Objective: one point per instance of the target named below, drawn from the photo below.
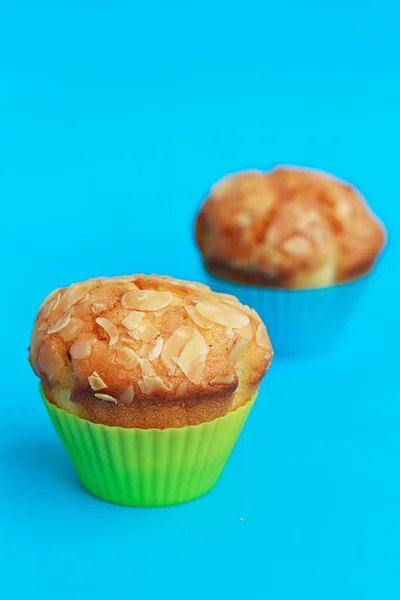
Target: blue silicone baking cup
(300, 323)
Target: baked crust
(289, 227)
(148, 351)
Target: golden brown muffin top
(287, 227)
(145, 340)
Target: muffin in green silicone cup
(148, 381)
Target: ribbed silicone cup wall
(148, 467)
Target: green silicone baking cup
(148, 467)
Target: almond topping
(227, 378)
(122, 278)
(262, 338)
(193, 358)
(268, 356)
(174, 346)
(134, 333)
(71, 330)
(146, 300)
(106, 397)
(109, 328)
(149, 384)
(297, 245)
(230, 299)
(243, 220)
(60, 323)
(239, 346)
(96, 382)
(80, 350)
(246, 332)
(156, 349)
(144, 350)
(127, 358)
(98, 308)
(133, 320)
(147, 368)
(128, 395)
(181, 389)
(51, 306)
(49, 361)
(149, 333)
(74, 293)
(343, 209)
(50, 297)
(198, 318)
(230, 316)
(195, 285)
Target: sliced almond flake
(52, 305)
(60, 323)
(297, 245)
(262, 338)
(228, 331)
(151, 300)
(128, 395)
(147, 368)
(243, 220)
(230, 299)
(158, 314)
(96, 382)
(198, 318)
(174, 346)
(181, 389)
(268, 356)
(227, 378)
(150, 384)
(194, 285)
(223, 314)
(149, 333)
(133, 320)
(49, 361)
(246, 332)
(134, 334)
(144, 350)
(123, 278)
(193, 358)
(106, 397)
(81, 350)
(98, 308)
(309, 217)
(343, 209)
(49, 298)
(126, 340)
(238, 348)
(74, 293)
(233, 301)
(156, 349)
(84, 299)
(110, 329)
(71, 330)
(127, 358)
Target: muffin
(148, 381)
(283, 241)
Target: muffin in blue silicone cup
(297, 245)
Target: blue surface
(115, 117)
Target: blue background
(115, 118)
